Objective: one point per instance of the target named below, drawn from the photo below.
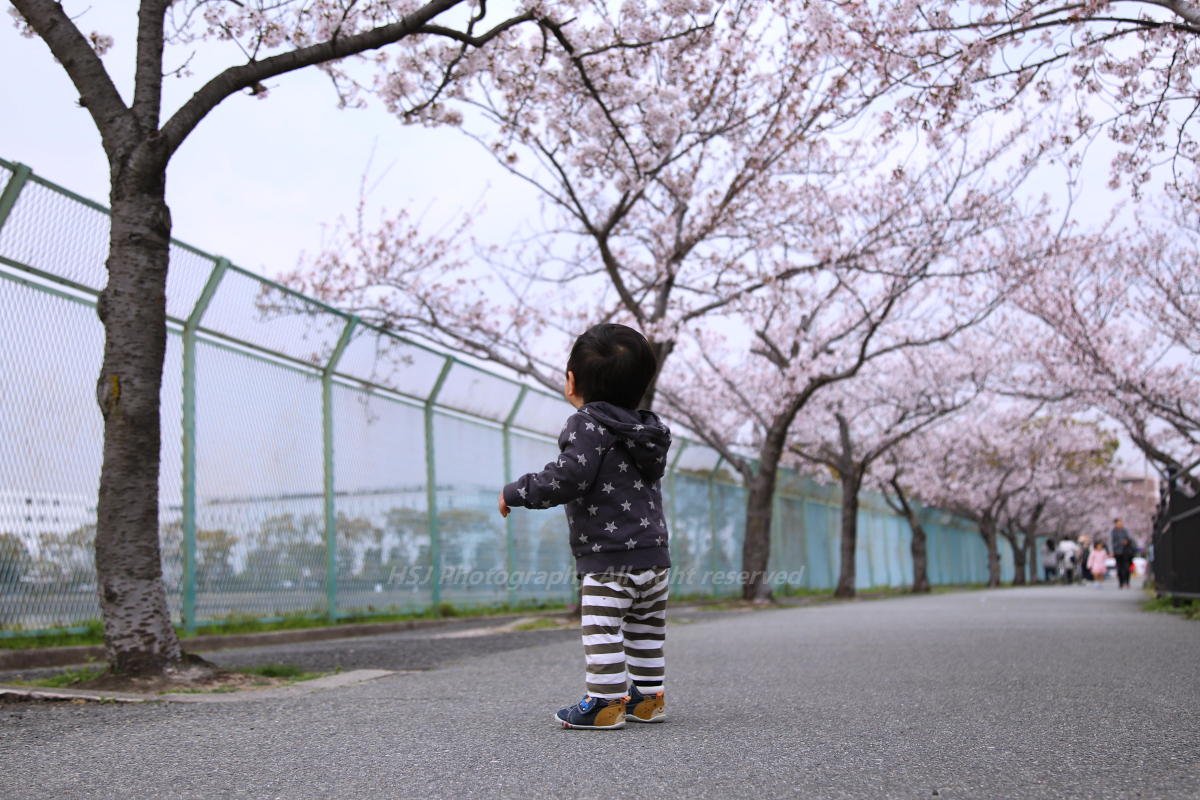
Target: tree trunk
(920, 556)
(987, 529)
(1019, 562)
(139, 638)
(851, 482)
(1031, 558)
(920, 550)
(756, 547)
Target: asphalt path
(1042, 692)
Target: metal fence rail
(314, 463)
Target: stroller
(1068, 555)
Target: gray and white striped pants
(624, 617)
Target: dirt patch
(176, 682)
(24, 700)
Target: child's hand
(504, 509)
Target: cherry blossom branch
(97, 92)
(248, 75)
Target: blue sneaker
(593, 713)
(645, 707)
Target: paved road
(1046, 692)
(426, 648)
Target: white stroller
(1068, 556)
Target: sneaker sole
(660, 718)
(558, 721)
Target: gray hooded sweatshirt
(608, 475)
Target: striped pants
(624, 615)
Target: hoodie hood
(646, 437)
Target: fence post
(330, 488)
(833, 544)
(804, 531)
(435, 592)
(671, 547)
(776, 526)
(509, 524)
(189, 442)
(712, 520)
(8, 198)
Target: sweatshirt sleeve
(568, 477)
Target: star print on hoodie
(608, 475)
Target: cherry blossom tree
(1122, 69)
(1090, 510)
(718, 176)
(1024, 520)
(1112, 327)
(967, 474)
(912, 262)
(856, 423)
(996, 463)
(673, 179)
(1168, 263)
(890, 476)
(1118, 303)
(432, 46)
(1071, 482)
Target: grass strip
(238, 623)
(1188, 608)
(62, 680)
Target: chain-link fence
(313, 463)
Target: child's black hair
(612, 363)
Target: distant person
(611, 459)
(1098, 564)
(1085, 559)
(1068, 555)
(1123, 549)
(1050, 561)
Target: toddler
(607, 475)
